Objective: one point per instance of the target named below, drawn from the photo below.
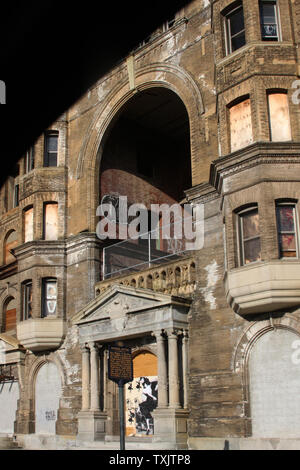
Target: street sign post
(120, 370)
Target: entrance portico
(134, 316)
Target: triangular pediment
(118, 301)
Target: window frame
(227, 28)
(277, 19)
(283, 203)
(27, 300)
(16, 195)
(240, 238)
(29, 160)
(47, 152)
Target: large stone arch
(242, 357)
(169, 76)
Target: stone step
(8, 443)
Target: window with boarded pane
(249, 236)
(234, 29)
(27, 300)
(51, 148)
(269, 21)
(241, 133)
(28, 224)
(50, 221)
(287, 230)
(10, 315)
(279, 118)
(49, 297)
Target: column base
(170, 425)
(91, 425)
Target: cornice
(253, 155)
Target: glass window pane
(286, 218)
(238, 41)
(52, 159)
(236, 22)
(252, 251)
(52, 143)
(287, 242)
(250, 224)
(268, 13)
(51, 290)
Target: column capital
(158, 334)
(185, 334)
(172, 332)
(93, 346)
(84, 348)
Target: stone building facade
(204, 112)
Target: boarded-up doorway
(9, 395)
(274, 373)
(141, 396)
(47, 395)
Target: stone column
(95, 389)
(173, 370)
(162, 370)
(105, 358)
(85, 378)
(185, 367)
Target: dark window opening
(29, 160)
(27, 300)
(50, 149)
(235, 29)
(16, 195)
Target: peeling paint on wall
(212, 278)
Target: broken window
(269, 21)
(234, 29)
(279, 119)
(50, 221)
(49, 297)
(50, 148)
(28, 225)
(240, 125)
(287, 230)
(27, 300)
(249, 236)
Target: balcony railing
(170, 242)
(176, 278)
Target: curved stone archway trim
(169, 76)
